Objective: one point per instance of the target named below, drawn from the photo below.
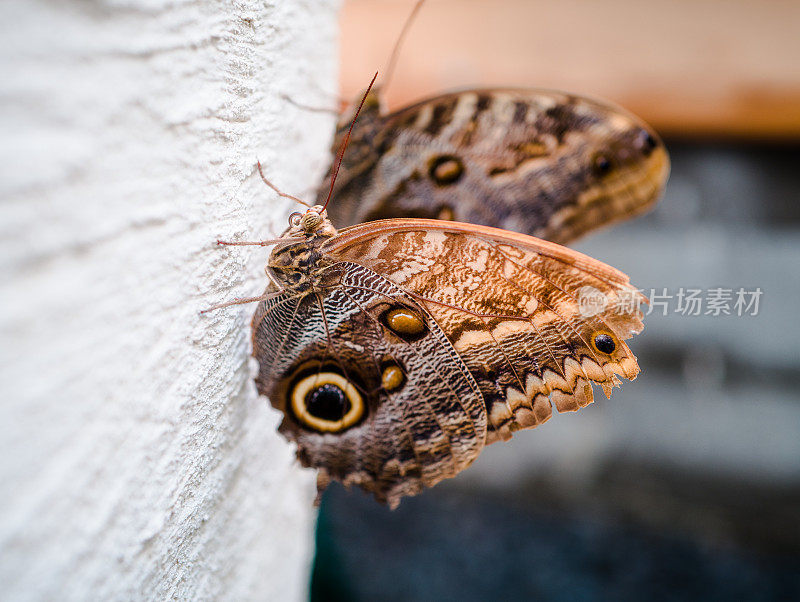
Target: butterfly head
(312, 223)
(299, 262)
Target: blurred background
(686, 484)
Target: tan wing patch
(522, 332)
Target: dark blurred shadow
(458, 545)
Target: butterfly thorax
(299, 264)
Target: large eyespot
(604, 343)
(601, 165)
(327, 402)
(445, 169)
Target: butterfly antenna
(398, 44)
(313, 109)
(275, 188)
(347, 140)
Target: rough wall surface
(136, 460)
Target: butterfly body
(550, 164)
(398, 349)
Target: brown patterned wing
(544, 163)
(513, 307)
(371, 389)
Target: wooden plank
(689, 67)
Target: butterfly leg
(242, 301)
(255, 243)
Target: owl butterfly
(546, 163)
(398, 349)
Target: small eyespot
(392, 377)
(404, 322)
(326, 402)
(445, 169)
(604, 343)
(294, 219)
(646, 142)
(601, 165)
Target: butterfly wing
(370, 386)
(535, 161)
(513, 307)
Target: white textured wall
(136, 461)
